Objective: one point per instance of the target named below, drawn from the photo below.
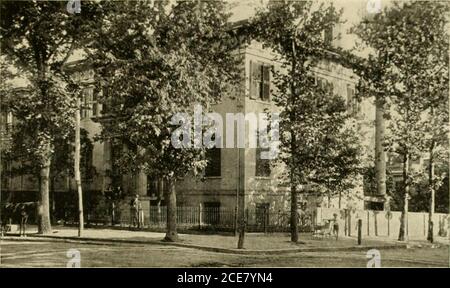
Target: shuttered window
(353, 105)
(213, 168)
(262, 166)
(259, 81)
(326, 85)
(328, 35)
(350, 96)
(89, 104)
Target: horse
(16, 213)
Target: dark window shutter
(320, 82)
(84, 104)
(256, 80)
(252, 81)
(105, 98)
(266, 83)
(94, 103)
(330, 87)
(328, 35)
(350, 100)
(213, 167)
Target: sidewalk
(413, 240)
(255, 243)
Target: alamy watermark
(374, 257)
(207, 130)
(74, 256)
(73, 6)
(374, 6)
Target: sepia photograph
(235, 134)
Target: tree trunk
(44, 225)
(380, 157)
(432, 194)
(403, 219)
(171, 200)
(294, 207)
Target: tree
(404, 136)
(312, 119)
(425, 61)
(158, 60)
(411, 42)
(341, 162)
(39, 37)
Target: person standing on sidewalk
(335, 226)
(140, 215)
(23, 221)
(134, 211)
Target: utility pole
(77, 169)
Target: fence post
(375, 222)
(200, 216)
(368, 223)
(359, 231)
(389, 224)
(246, 216)
(350, 223)
(265, 219)
(345, 222)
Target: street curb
(99, 241)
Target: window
(156, 187)
(89, 103)
(262, 214)
(353, 106)
(6, 175)
(213, 168)
(116, 155)
(6, 122)
(87, 157)
(105, 100)
(328, 35)
(259, 81)
(152, 186)
(350, 97)
(326, 85)
(94, 105)
(262, 166)
(211, 213)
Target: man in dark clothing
(134, 211)
(335, 226)
(23, 220)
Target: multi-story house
(235, 177)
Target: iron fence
(207, 218)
